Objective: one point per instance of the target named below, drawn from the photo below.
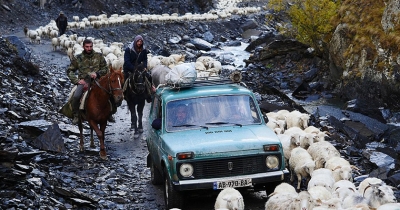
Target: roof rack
(234, 78)
(208, 81)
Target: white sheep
(272, 123)
(301, 164)
(312, 129)
(214, 67)
(179, 58)
(354, 199)
(272, 115)
(330, 204)
(289, 142)
(376, 192)
(322, 177)
(321, 152)
(289, 201)
(320, 193)
(281, 114)
(342, 170)
(297, 119)
(53, 33)
(302, 202)
(32, 35)
(280, 201)
(306, 139)
(389, 206)
(278, 131)
(283, 188)
(229, 198)
(75, 18)
(158, 74)
(153, 61)
(343, 189)
(319, 135)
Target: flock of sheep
(113, 52)
(329, 177)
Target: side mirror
(156, 124)
(265, 118)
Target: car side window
(156, 114)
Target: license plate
(232, 183)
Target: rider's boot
(76, 119)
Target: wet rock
(202, 44)
(249, 33)
(50, 140)
(367, 108)
(395, 179)
(249, 24)
(208, 36)
(23, 51)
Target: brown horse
(98, 106)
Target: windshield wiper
(223, 123)
(217, 123)
(190, 125)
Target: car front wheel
(172, 198)
(156, 176)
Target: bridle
(109, 92)
(136, 84)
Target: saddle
(67, 108)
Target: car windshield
(213, 111)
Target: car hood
(234, 140)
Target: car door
(153, 139)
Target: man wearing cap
(62, 22)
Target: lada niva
(211, 135)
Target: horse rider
(90, 65)
(135, 54)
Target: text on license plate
(232, 183)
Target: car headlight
(186, 170)
(272, 162)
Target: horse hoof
(104, 157)
(140, 130)
(136, 134)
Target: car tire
(172, 198)
(156, 176)
(270, 187)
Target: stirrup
(75, 120)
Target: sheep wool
(229, 198)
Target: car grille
(229, 167)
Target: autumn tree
(311, 20)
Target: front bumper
(257, 179)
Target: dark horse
(98, 106)
(136, 93)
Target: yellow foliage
(312, 20)
(277, 5)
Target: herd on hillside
(329, 176)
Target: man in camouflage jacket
(89, 65)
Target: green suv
(211, 135)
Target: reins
(109, 86)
